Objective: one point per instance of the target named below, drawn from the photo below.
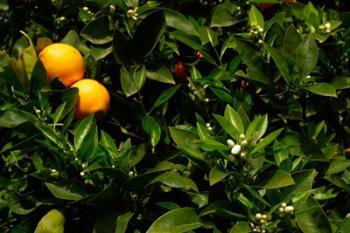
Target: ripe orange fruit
(64, 62)
(93, 98)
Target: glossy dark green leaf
(148, 33)
(233, 117)
(292, 39)
(223, 15)
(184, 139)
(344, 226)
(257, 128)
(241, 227)
(177, 20)
(69, 96)
(175, 180)
(312, 219)
(323, 89)
(58, 113)
(12, 118)
(176, 221)
(50, 134)
(341, 82)
(39, 77)
(266, 141)
(121, 49)
(226, 125)
(216, 175)
(132, 81)
(303, 182)
(122, 222)
(72, 38)
(160, 74)
(307, 56)
(165, 96)
(66, 190)
(255, 17)
(82, 130)
(278, 180)
(280, 61)
(97, 31)
(222, 95)
(51, 222)
(152, 128)
(337, 165)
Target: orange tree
(224, 116)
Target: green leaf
(165, 96)
(210, 144)
(39, 78)
(312, 219)
(257, 128)
(58, 113)
(184, 139)
(121, 49)
(222, 95)
(175, 180)
(307, 56)
(337, 165)
(323, 89)
(233, 117)
(277, 180)
(303, 182)
(49, 133)
(223, 15)
(338, 181)
(108, 142)
(152, 128)
(266, 141)
(132, 81)
(97, 31)
(69, 96)
(311, 15)
(160, 74)
(176, 221)
(341, 82)
(72, 38)
(122, 222)
(82, 130)
(292, 39)
(148, 33)
(12, 118)
(227, 126)
(255, 17)
(344, 227)
(177, 20)
(280, 61)
(245, 201)
(216, 175)
(51, 222)
(241, 227)
(65, 190)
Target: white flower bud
(281, 209)
(244, 142)
(206, 100)
(82, 173)
(327, 26)
(236, 149)
(283, 204)
(242, 136)
(85, 8)
(264, 216)
(289, 209)
(262, 221)
(258, 216)
(230, 142)
(243, 154)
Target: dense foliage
(226, 116)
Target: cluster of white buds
(132, 13)
(262, 222)
(325, 27)
(255, 29)
(238, 148)
(209, 127)
(54, 173)
(288, 209)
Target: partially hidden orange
(93, 98)
(64, 62)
